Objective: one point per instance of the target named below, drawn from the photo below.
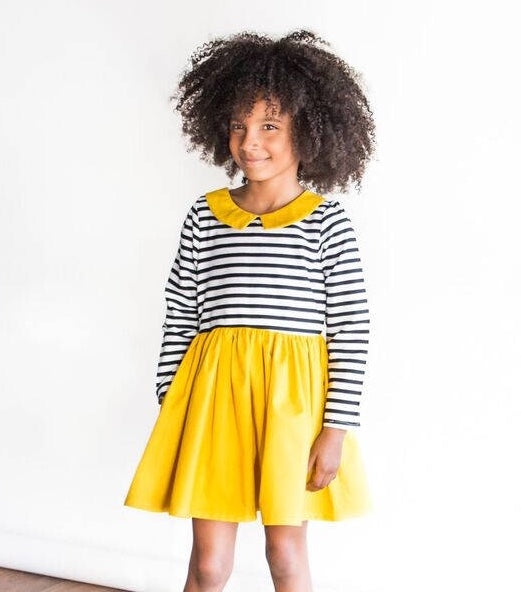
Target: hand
(324, 458)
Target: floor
(12, 580)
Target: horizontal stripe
(304, 279)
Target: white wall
(94, 182)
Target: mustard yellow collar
(227, 211)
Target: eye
(271, 125)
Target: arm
(181, 323)
(347, 319)
(347, 337)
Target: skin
(272, 183)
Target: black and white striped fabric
(304, 278)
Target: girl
(259, 410)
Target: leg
(287, 555)
(211, 560)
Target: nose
(249, 140)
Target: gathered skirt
(234, 433)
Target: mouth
(253, 161)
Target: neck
(268, 195)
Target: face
(260, 144)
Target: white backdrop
(95, 180)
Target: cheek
(232, 145)
(286, 150)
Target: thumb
(311, 461)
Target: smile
(254, 162)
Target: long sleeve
(181, 323)
(347, 318)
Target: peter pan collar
(227, 211)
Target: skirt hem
(253, 518)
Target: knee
(211, 571)
(284, 558)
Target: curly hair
(332, 126)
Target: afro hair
(332, 122)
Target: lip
(253, 161)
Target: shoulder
(198, 203)
(193, 209)
(333, 205)
(333, 213)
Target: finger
(311, 461)
(314, 486)
(312, 483)
(319, 481)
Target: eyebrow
(265, 119)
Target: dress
(264, 343)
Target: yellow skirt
(235, 429)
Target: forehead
(261, 110)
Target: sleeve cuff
(341, 425)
